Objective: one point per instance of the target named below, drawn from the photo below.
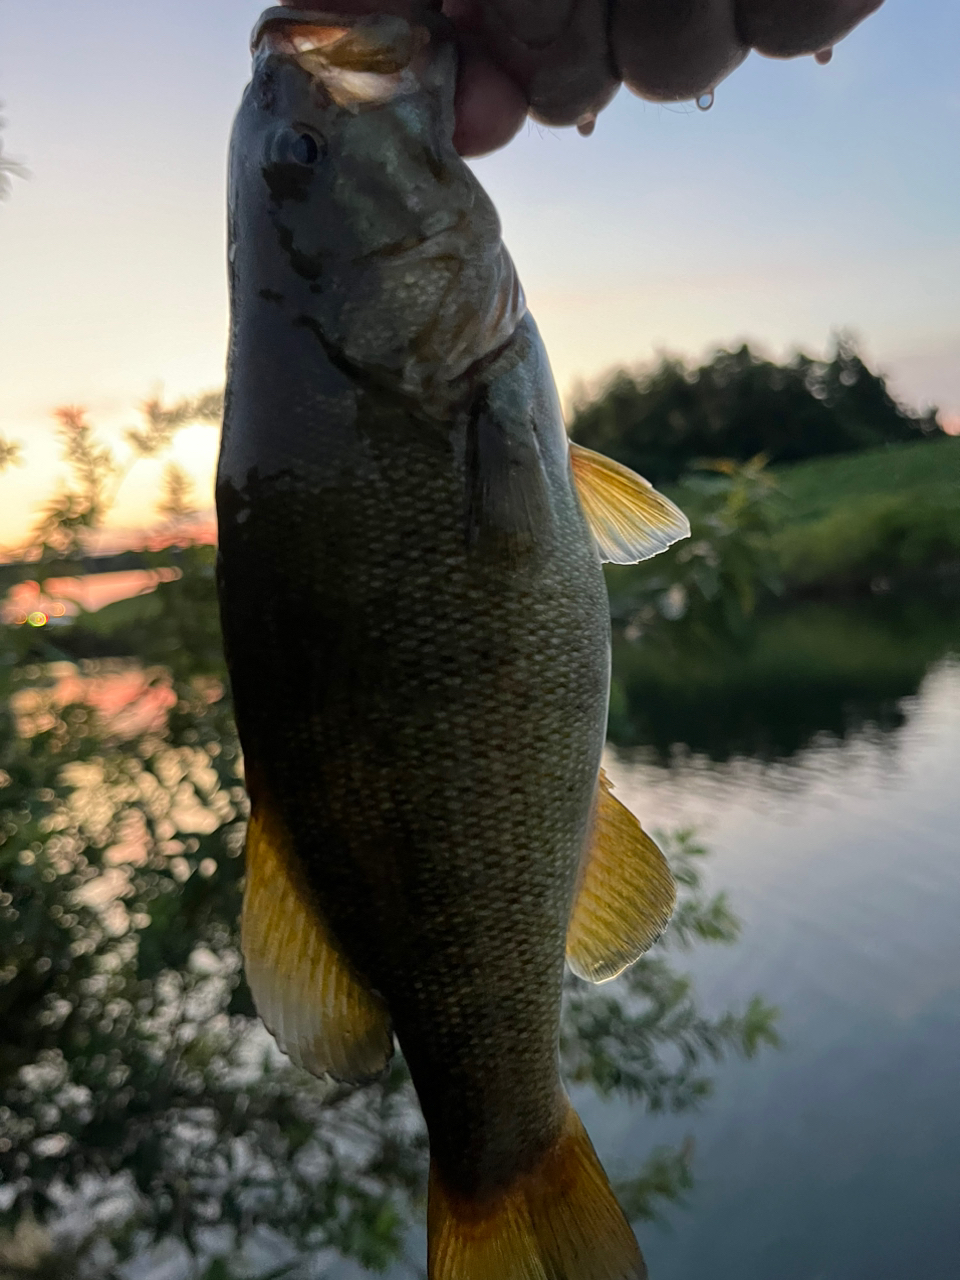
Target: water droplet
(587, 126)
(823, 56)
(705, 100)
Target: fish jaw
(397, 261)
(361, 60)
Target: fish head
(345, 183)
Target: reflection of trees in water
(790, 677)
(139, 1099)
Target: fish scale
(474, 768)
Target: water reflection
(836, 1157)
(794, 676)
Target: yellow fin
(626, 897)
(320, 1010)
(628, 518)
(561, 1221)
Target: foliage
(96, 472)
(140, 1100)
(739, 405)
(708, 585)
(162, 422)
(82, 506)
(882, 519)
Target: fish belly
(425, 712)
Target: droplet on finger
(586, 126)
(667, 51)
(823, 56)
(705, 100)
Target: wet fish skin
(413, 607)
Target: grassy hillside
(885, 513)
(930, 467)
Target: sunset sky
(808, 199)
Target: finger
(536, 23)
(784, 28)
(669, 51)
(568, 77)
(490, 107)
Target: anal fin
(629, 519)
(321, 1011)
(626, 896)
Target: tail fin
(559, 1222)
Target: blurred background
(754, 306)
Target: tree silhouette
(738, 405)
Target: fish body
(417, 631)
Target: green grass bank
(878, 517)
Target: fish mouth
(359, 60)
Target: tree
(738, 405)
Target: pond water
(836, 1157)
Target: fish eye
(295, 146)
(305, 149)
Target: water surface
(838, 1156)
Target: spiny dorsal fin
(558, 1221)
(626, 896)
(322, 1013)
(628, 518)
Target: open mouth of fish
(361, 61)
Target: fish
(417, 631)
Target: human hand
(562, 61)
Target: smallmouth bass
(417, 631)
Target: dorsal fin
(626, 896)
(629, 519)
(321, 1011)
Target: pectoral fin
(628, 518)
(508, 507)
(322, 1013)
(626, 896)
